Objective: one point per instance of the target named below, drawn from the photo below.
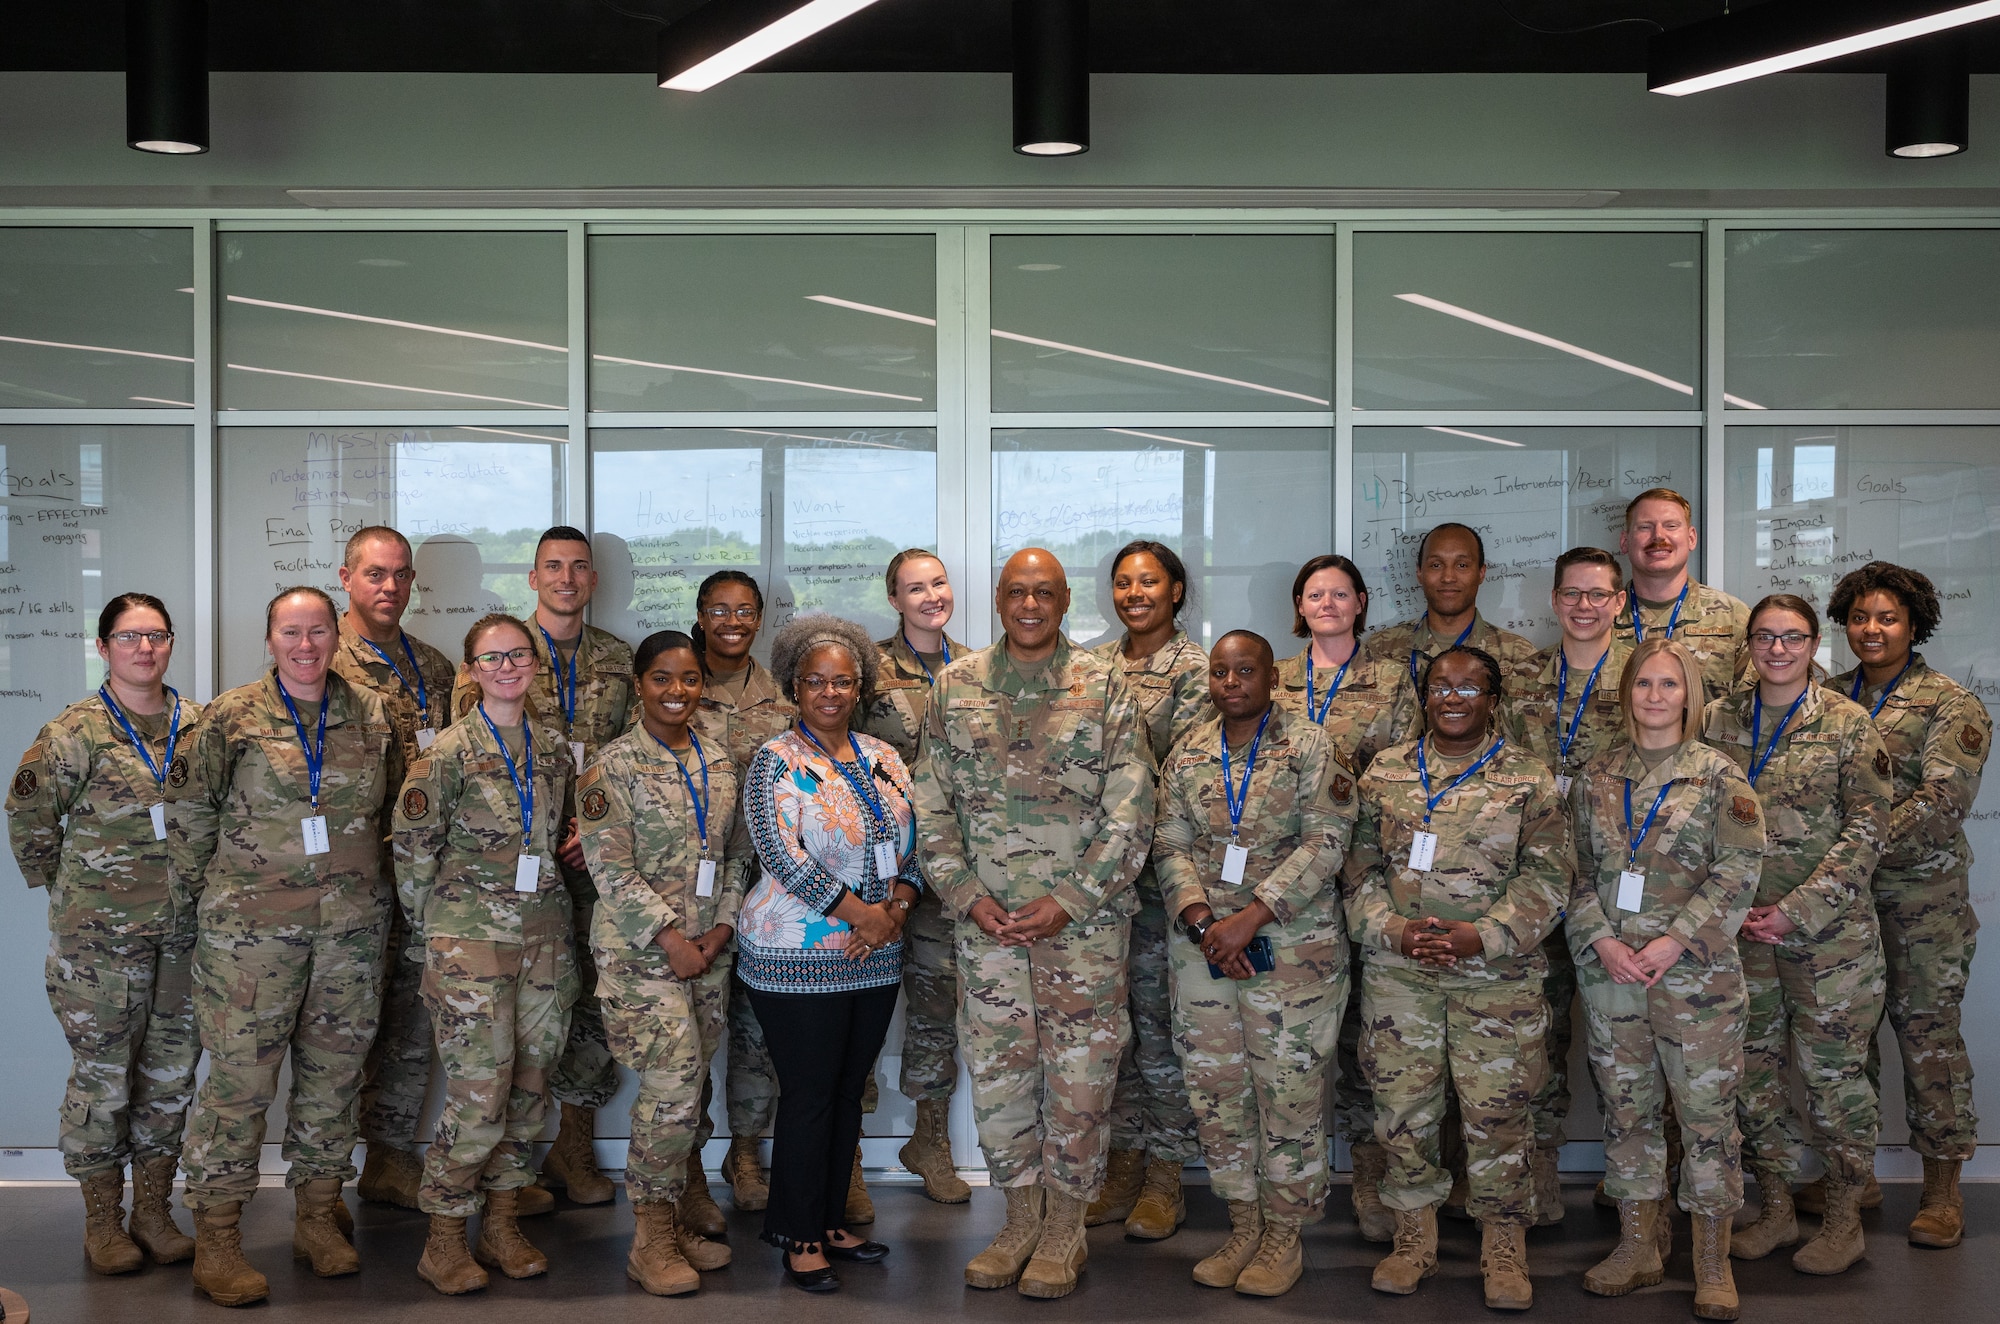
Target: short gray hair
(802, 634)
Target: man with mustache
(1659, 538)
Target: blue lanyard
(1319, 714)
(315, 757)
(1639, 626)
(1647, 826)
(423, 699)
(1424, 771)
(1757, 729)
(173, 732)
(524, 790)
(700, 801)
(943, 643)
(1562, 688)
(859, 784)
(565, 696)
(1237, 798)
(1415, 680)
(1855, 693)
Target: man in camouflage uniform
(582, 688)
(1451, 565)
(414, 681)
(1659, 538)
(1034, 794)
(121, 939)
(1256, 1045)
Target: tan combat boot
(928, 1154)
(747, 1183)
(1839, 1243)
(999, 1265)
(1124, 1178)
(1811, 1197)
(1415, 1257)
(699, 1251)
(656, 1262)
(1776, 1224)
(219, 1267)
(391, 1176)
(105, 1244)
(1547, 1178)
(860, 1205)
(1051, 1271)
(1635, 1261)
(1939, 1224)
(531, 1201)
(153, 1225)
(1246, 1230)
(572, 1159)
(501, 1245)
(1161, 1207)
(1454, 1201)
(446, 1263)
(315, 1236)
(1279, 1262)
(1503, 1263)
(698, 1211)
(1714, 1283)
(1371, 1165)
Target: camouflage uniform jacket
(1535, 724)
(1036, 783)
(605, 705)
(1937, 734)
(458, 835)
(763, 715)
(1700, 859)
(1504, 861)
(1171, 685)
(1412, 644)
(1375, 708)
(1298, 816)
(1712, 624)
(242, 791)
(902, 697)
(361, 666)
(106, 871)
(643, 845)
(1825, 794)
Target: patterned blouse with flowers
(815, 841)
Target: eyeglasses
(131, 638)
(1596, 597)
(1462, 691)
(839, 684)
(514, 657)
(1791, 641)
(721, 614)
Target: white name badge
(886, 863)
(704, 879)
(159, 822)
(576, 755)
(1562, 784)
(425, 735)
(1423, 851)
(527, 873)
(1234, 859)
(314, 829)
(1631, 891)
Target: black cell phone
(1258, 951)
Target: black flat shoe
(868, 1252)
(812, 1280)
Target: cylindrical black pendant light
(1930, 97)
(166, 75)
(1051, 77)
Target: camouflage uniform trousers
(666, 1030)
(502, 1017)
(1673, 1049)
(1042, 1028)
(1354, 1104)
(1552, 1101)
(1256, 1054)
(1815, 1005)
(302, 991)
(1928, 938)
(125, 1006)
(398, 1073)
(1424, 1041)
(1149, 1107)
(930, 1003)
(586, 1077)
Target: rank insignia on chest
(1970, 739)
(1743, 809)
(1020, 728)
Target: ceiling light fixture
(1478, 436)
(1161, 436)
(725, 37)
(1051, 77)
(1930, 98)
(166, 76)
(1790, 34)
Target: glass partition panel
(96, 318)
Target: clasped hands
(1041, 918)
(1441, 942)
(1222, 943)
(690, 958)
(1644, 966)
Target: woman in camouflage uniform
(86, 819)
(1812, 947)
(665, 841)
(477, 827)
(1152, 1129)
(1669, 841)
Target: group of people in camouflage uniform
(1167, 893)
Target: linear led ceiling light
(166, 76)
(1051, 77)
(725, 37)
(1790, 34)
(1930, 98)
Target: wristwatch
(902, 904)
(1197, 930)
